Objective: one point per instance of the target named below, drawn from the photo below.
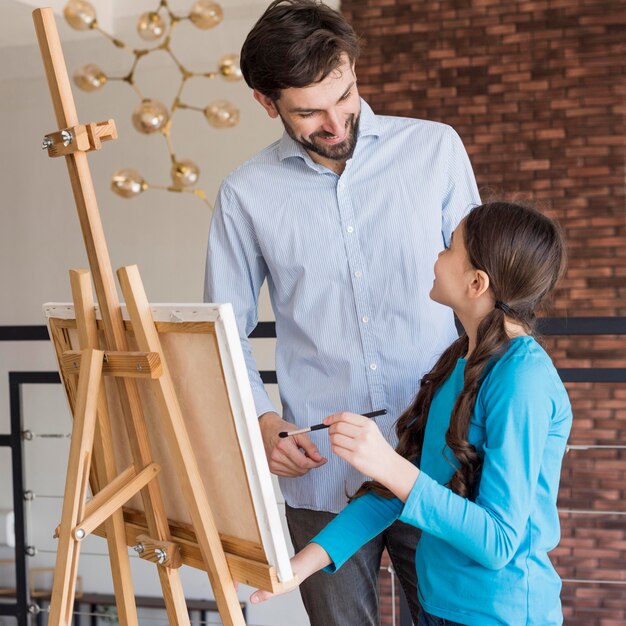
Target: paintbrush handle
(308, 429)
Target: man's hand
(291, 456)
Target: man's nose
(334, 123)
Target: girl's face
(452, 272)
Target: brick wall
(537, 89)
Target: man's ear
(267, 103)
(479, 284)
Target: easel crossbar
(246, 563)
(113, 496)
(125, 364)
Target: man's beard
(336, 152)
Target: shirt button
(373, 366)
(365, 319)
(350, 229)
(340, 185)
(357, 274)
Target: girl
(479, 455)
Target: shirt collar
(368, 125)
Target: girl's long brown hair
(523, 253)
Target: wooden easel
(91, 433)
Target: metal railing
(23, 608)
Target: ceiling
(19, 54)
(16, 27)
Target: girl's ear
(267, 103)
(479, 284)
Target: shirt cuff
(262, 402)
(411, 511)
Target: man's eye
(305, 115)
(345, 96)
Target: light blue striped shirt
(349, 264)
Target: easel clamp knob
(165, 553)
(81, 138)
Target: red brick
(536, 90)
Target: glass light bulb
(206, 14)
(150, 116)
(128, 183)
(229, 67)
(150, 26)
(90, 77)
(184, 173)
(80, 14)
(222, 114)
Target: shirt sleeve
(519, 410)
(235, 271)
(362, 520)
(461, 193)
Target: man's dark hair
(295, 43)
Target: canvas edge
(249, 436)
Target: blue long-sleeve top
(485, 562)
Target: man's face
(323, 117)
(326, 144)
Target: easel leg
(154, 508)
(104, 461)
(91, 225)
(64, 584)
(158, 527)
(182, 453)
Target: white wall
(164, 233)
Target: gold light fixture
(152, 116)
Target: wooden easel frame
(211, 382)
(91, 433)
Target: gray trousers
(349, 597)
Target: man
(344, 216)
